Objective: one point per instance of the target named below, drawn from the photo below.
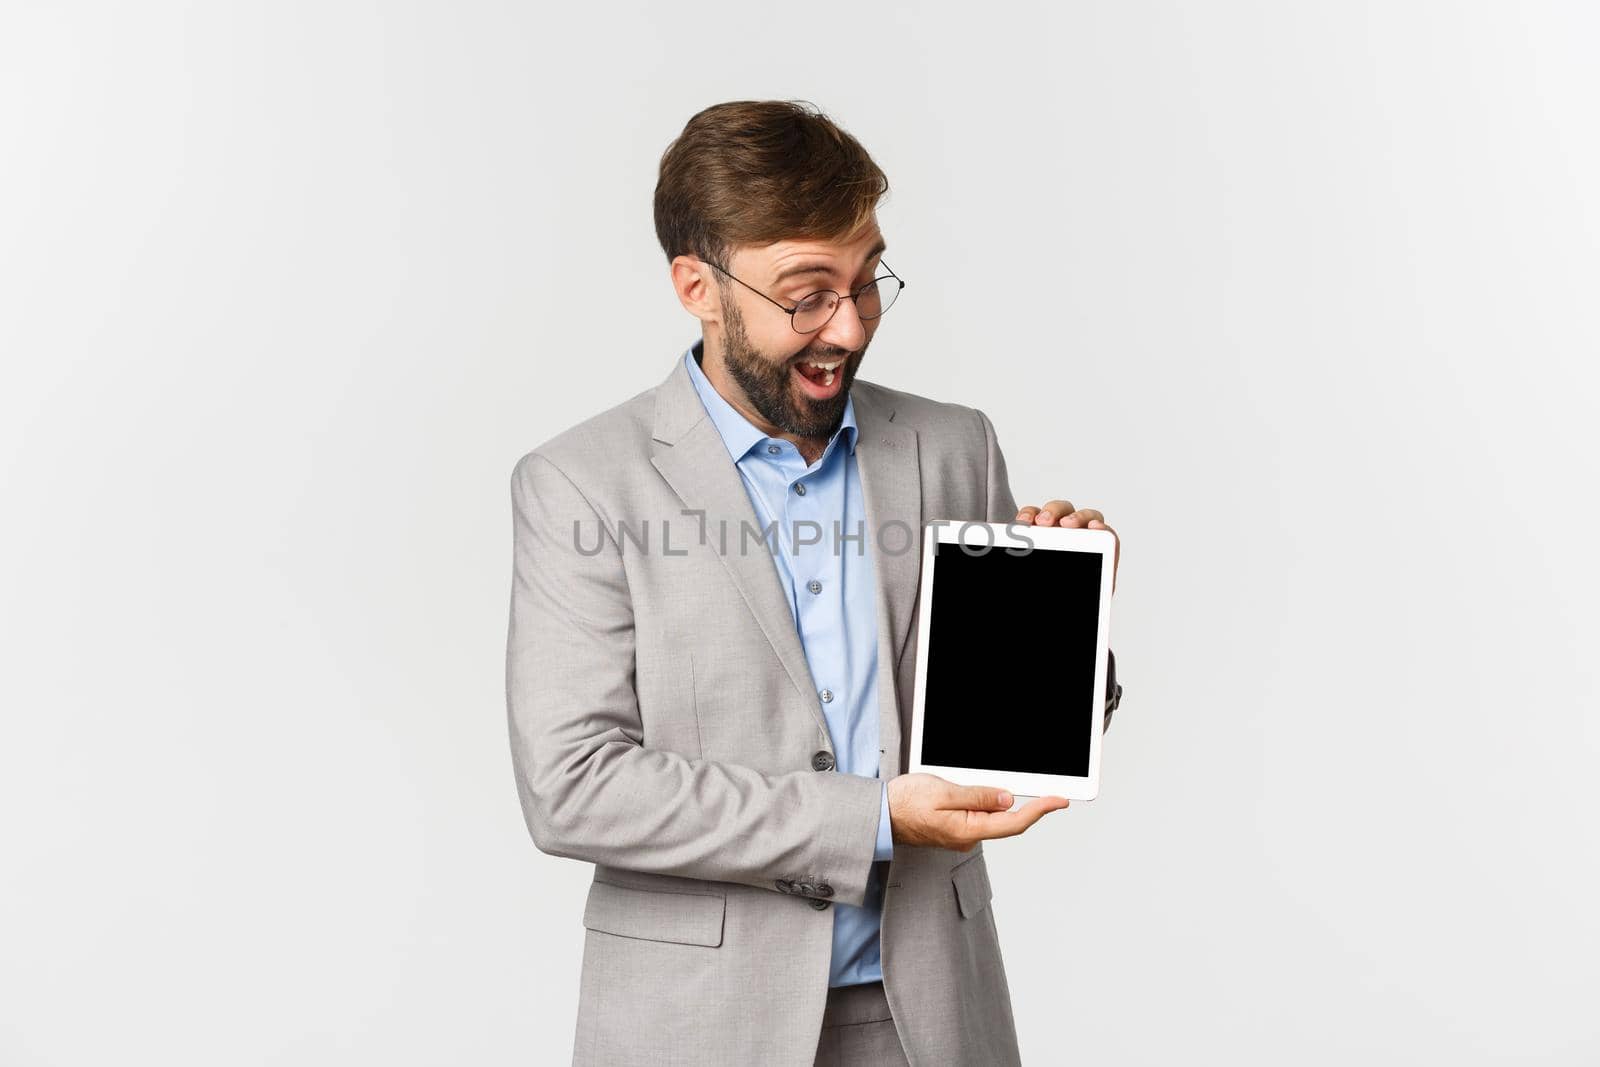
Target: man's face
(763, 353)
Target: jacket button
(804, 888)
(822, 889)
(822, 761)
(818, 904)
(784, 885)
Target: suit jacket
(664, 727)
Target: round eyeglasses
(815, 309)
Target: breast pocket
(655, 915)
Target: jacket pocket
(971, 880)
(654, 914)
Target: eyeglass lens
(872, 300)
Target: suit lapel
(891, 490)
(691, 456)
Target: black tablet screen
(1011, 659)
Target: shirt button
(818, 904)
(822, 761)
(773, 449)
(800, 487)
(826, 695)
(814, 585)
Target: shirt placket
(815, 498)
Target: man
(708, 669)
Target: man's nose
(845, 330)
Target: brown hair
(752, 172)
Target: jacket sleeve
(1002, 507)
(589, 788)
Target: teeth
(827, 369)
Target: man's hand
(924, 809)
(1062, 513)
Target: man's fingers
(1052, 510)
(1029, 813)
(990, 824)
(1045, 516)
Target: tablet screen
(1010, 686)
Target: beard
(767, 383)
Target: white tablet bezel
(1041, 538)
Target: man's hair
(752, 172)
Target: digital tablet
(1011, 656)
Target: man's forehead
(839, 257)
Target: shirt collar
(738, 433)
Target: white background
(1302, 296)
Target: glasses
(814, 310)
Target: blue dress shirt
(827, 572)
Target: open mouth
(820, 379)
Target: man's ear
(696, 289)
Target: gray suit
(665, 727)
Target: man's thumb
(985, 798)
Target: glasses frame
(841, 297)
